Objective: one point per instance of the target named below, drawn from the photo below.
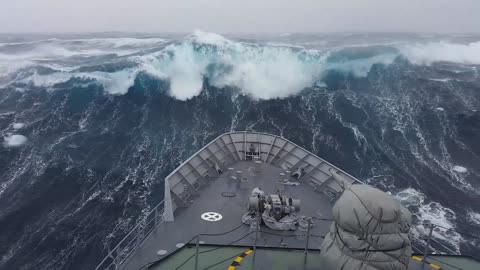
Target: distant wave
(442, 51)
(262, 72)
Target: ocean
(90, 124)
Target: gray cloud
(239, 16)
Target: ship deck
(170, 236)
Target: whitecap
(441, 80)
(18, 125)
(440, 109)
(209, 38)
(460, 169)
(428, 53)
(14, 140)
(431, 213)
(473, 217)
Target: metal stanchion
(282, 241)
(309, 222)
(196, 252)
(256, 237)
(116, 260)
(425, 253)
(139, 233)
(258, 166)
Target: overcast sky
(245, 16)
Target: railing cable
(204, 234)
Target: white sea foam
(440, 109)
(58, 48)
(431, 213)
(473, 217)
(50, 52)
(7, 114)
(262, 72)
(112, 42)
(441, 80)
(442, 51)
(209, 38)
(45, 51)
(50, 79)
(18, 125)
(460, 169)
(14, 140)
(116, 83)
(120, 42)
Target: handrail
(126, 246)
(118, 257)
(259, 133)
(306, 234)
(431, 237)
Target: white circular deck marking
(161, 252)
(211, 216)
(180, 245)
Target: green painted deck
(234, 258)
(288, 259)
(448, 262)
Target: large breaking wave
(260, 71)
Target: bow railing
(125, 247)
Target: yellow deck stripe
(417, 258)
(239, 259)
(434, 266)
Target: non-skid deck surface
(170, 236)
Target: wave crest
(426, 54)
(260, 71)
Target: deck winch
(278, 205)
(277, 211)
